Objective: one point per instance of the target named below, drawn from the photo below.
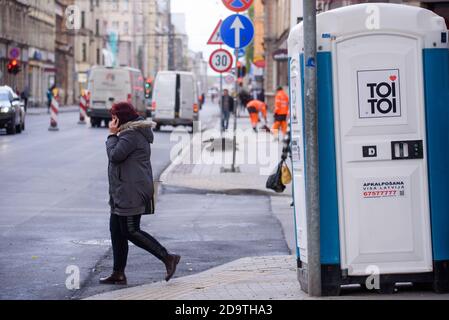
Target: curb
(41, 112)
(229, 192)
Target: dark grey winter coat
(130, 174)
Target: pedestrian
(50, 97)
(244, 96)
(255, 107)
(261, 95)
(280, 112)
(227, 107)
(131, 190)
(25, 95)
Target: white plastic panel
(383, 203)
(298, 156)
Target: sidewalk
(43, 111)
(245, 279)
(202, 161)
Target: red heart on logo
(393, 78)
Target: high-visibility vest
(257, 106)
(281, 103)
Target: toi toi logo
(379, 94)
(383, 96)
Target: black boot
(171, 262)
(115, 278)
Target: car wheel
(94, 122)
(157, 128)
(12, 129)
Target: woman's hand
(113, 126)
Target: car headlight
(5, 109)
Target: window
(98, 56)
(97, 27)
(84, 53)
(126, 27)
(115, 5)
(83, 19)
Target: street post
(236, 101)
(311, 139)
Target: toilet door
(381, 150)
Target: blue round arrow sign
(237, 31)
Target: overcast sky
(201, 18)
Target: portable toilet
(383, 136)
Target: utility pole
(236, 101)
(221, 90)
(311, 139)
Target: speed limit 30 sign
(221, 61)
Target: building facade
(181, 60)
(64, 55)
(276, 30)
(13, 38)
(257, 67)
(199, 67)
(27, 33)
(89, 43)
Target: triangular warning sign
(215, 38)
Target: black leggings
(128, 228)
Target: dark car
(12, 113)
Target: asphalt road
(54, 214)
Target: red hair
(124, 111)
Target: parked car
(175, 99)
(109, 85)
(12, 111)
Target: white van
(109, 85)
(175, 99)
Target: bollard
(83, 109)
(54, 110)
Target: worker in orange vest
(281, 110)
(255, 107)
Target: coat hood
(141, 125)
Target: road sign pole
(237, 31)
(221, 93)
(311, 139)
(234, 145)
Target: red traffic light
(14, 66)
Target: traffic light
(241, 70)
(14, 66)
(148, 88)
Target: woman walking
(131, 190)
